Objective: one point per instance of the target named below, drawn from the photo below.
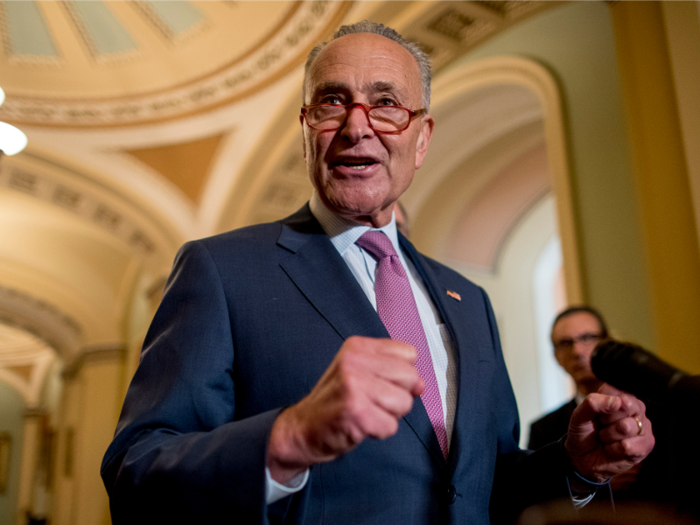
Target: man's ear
(424, 137)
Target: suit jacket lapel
(317, 269)
(455, 314)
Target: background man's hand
(604, 439)
(364, 392)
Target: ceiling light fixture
(12, 140)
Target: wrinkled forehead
(365, 58)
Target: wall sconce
(12, 140)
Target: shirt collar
(344, 232)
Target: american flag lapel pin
(454, 295)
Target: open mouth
(356, 163)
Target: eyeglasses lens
(586, 339)
(387, 119)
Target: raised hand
(609, 433)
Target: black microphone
(637, 371)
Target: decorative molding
(81, 203)
(164, 29)
(448, 29)
(454, 25)
(82, 31)
(283, 51)
(25, 361)
(94, 354)
(90, 206)
(5, 32)
(45, 321)
(88, 40)
(287, 189)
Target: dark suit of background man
(575, 333)
(268, 390)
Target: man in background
(575, 333)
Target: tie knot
(377, 244)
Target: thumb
(609, 390)
(594, 405)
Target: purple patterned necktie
(398, 311)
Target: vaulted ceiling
(154, 122)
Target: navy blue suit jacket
(249, 321)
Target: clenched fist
(364, 392)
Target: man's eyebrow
(377, 86)
(383, 85)
(386, 86)
(331, 85)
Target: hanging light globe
(12, 140)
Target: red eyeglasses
(382, 119)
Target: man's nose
(356, 125)
(581, 349)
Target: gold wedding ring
(639, 424)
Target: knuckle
(354, 408)
(392, 427)
(411, 351)
(347, 370)
(354, 344)
(387, 428)
(406, 403)
(628, 426)
(356, 435)
(353, 340)
(628, 448)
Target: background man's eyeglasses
(382, 119)
(587, 339)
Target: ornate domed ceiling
(153, 122)
(107, 63)
(81, 63)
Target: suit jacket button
(451, 494)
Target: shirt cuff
(587, 487)
(580, 502)
(581, 490)
(277, 491)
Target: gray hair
(366, 26)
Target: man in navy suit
(269, 390)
